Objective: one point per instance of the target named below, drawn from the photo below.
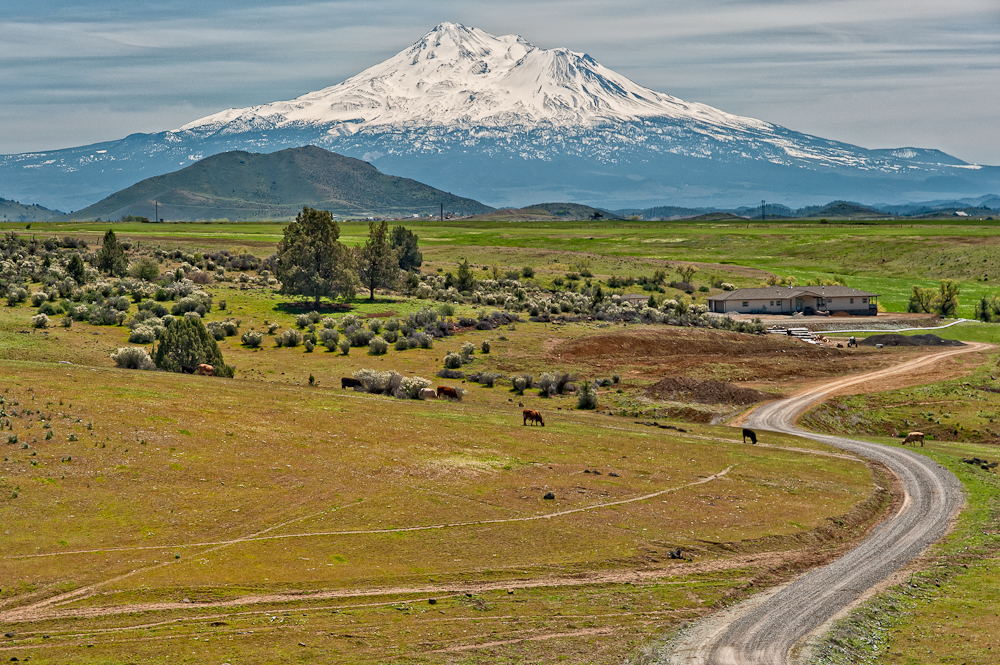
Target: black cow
(346, 383)
(749, 433)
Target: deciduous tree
(185, 344)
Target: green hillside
(247, 186)
(12, 211)
(543, 212)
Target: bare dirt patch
(713, 355)
(684, 388)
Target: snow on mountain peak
(460, 75)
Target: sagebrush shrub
(272, 328)
(133, 357)
(519, 384)
(38, 297)
(402, 344)
(377, 346)
(142, 334)
(345, 346)
(67, 322)
(361, 337)
(252, 338)
(452, 361)
(390, 336)
(310, 345)
(486, 346)
(330, 323)
(302, 320)
(40, 321)
(290, 337)
(468, 349)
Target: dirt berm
(909, 340)
(704, 392)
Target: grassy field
(268, 518)
(888, 258)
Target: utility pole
(157, 217)
(763, 208)
(442, 212)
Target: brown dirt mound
(909, 340)
(705, 392)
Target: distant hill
(12, 211)
(542, 212)
(247, 186)
(842, 210)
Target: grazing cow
(913, 437)
(206, 370)
(427, 393)
(532, 416)
(749, 433)
(347, 382)
(447, 391)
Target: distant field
(883, 257)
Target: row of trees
(942, 300)
(311, 261)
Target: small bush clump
(486, 346)
(290, 337)
(133, 357)
(345, 346)
(377, 346)
(587, 398)
(252, 338)
(40, 321)
(142, 334)
(452, 361)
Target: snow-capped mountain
(508, 123)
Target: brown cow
(530, 415)
(913, 437)
(206, 370)
(447, 391)
(347, 382)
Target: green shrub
(468, 349)
(38, 297)
(527, 271)
(40, 321)
(402, 344)
(452, 361)
(146, 268)
(519, 384)
(49, 308)
(485, 346)
(314, 316)
(302, 320)
(185, 344)
(67, 322)
(330, 323)
(587, 397)
(390, 336)
(345, 346)
(310, 345)
(446, 309)
(133, 357)
(272, 328)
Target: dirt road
(771, 628)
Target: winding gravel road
(769, 629)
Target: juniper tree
(110, 258)
(404, 242)
(185, 344)
(311, 261)
(377, 264)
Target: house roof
(785, 293)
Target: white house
(788, 300)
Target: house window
(772, 303)
(852, 301)
(746, 304)
(864, 301)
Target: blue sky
(877, 73)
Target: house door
(798, 304)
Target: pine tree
(110, 257)
(312, 262)
(185, 344)
(377, 264)
(405, 242)
(465, 281)
(76, 269)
